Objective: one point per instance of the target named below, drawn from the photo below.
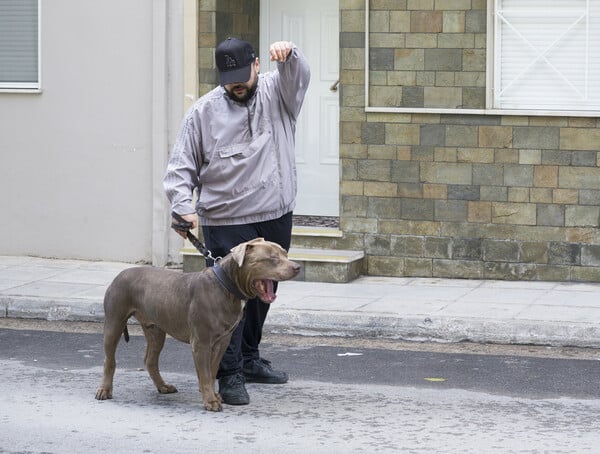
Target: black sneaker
(232, 390)
(260, 371)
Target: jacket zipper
(249, 120)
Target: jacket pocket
(240, 170)
(244, 150)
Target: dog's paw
(214, 405)
(103, 394)
(167, 389)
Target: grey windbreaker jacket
(240, 157)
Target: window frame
(29, 87)
(497, 100)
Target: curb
(350, 324)
(444, 329)
(62, 309)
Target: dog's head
(262, 263)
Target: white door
(313, 25)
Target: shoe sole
(236, 402)
(265, 381)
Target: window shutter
(547, 54)
(19, 43)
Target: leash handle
(184, 226)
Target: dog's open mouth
(264, 287)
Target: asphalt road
(344, 395)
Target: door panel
(313, 25)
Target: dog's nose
(295, 268)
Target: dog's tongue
(266, 290)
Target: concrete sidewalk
(420, 309)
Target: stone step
(315, 237)
(314, 248)
(318, 265)
(328, 265)
(302, 236)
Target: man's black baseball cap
(234, 59)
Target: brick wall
(475, 196)
(217, 20)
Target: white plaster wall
(76, 177)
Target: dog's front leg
(206, 380)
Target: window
(19, 45)
(546, 55)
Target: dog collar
(226, 281)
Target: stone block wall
(217, 20)
(454, 195)
(426, 53)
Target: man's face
(243, 91)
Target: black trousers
(219, 240)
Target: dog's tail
(126, 334)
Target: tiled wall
(217, 20)
(451, 195)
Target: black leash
(184, 226)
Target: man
(236, 150)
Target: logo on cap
(230, 62)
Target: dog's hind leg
(112, 334)
(155, 340)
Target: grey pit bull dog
(196, 308)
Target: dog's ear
(239, 252)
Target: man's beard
(246, 96)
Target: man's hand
(191, 218)
(280, 50)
